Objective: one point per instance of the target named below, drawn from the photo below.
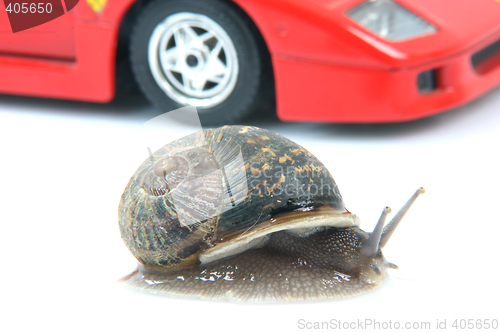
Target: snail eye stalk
(369, 247)
(391, 226)
(380, 235)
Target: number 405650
(29, 8)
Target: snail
(242, 213)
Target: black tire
(242, 99)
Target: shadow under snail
(242, 213)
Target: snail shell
(244, 213)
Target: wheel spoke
(179, 40)
(192, 40)
(186, 81)
(215, 67)
(170, 56)
(190, 33)
(218, 68)
(168, 66)
(215, 52)
(206, 36)
(214, 78)
(195, 41)
(214, 72)
(199, 82)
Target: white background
(65, 164)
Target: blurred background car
(345, 61)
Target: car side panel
(54, 39)
(311, 31)
(88, 76)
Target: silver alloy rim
(193, 60)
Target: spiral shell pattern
(213, 185)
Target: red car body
(327, 67)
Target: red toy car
(325, 60)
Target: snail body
(243, 213)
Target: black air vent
(487, 58)
(427, 81)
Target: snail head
(370, 250)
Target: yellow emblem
(97, 5)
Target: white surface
(65, 164)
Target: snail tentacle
(391, 226)
(370, 247)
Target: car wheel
(200, 53)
